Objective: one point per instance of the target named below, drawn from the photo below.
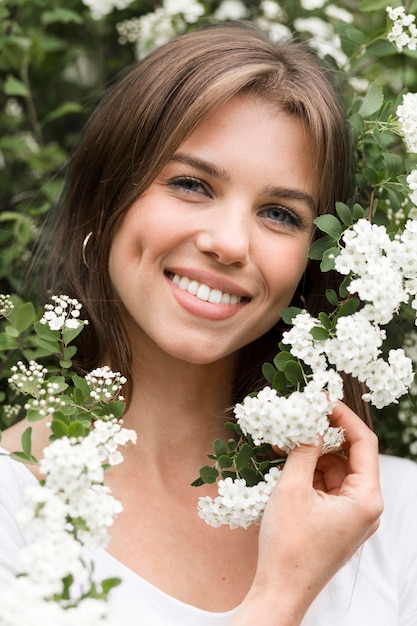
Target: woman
(186, 225)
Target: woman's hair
(134, 132)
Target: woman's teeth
(203, 292)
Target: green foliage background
(55, 62)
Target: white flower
(190, 9)
(101, 8)
(356, 344)
(407, 117)
(337, 13)
(231, 10)
(403, 32)
(324, 40)
(289, 421)
(6, 305)
(238, 505)
(302, 343)
(65, 313)
(412, 183)
(389, 381)
(104, 384)
(28, 379)
(310, 5)
(271, 10)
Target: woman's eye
(189, 185)
(282, 216)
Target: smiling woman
(185, 227)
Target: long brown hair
(140, 124)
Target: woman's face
(205, 258)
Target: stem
(32, 113)
(371, 203)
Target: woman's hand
(321, 511)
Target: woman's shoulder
(394, 468)
(14, 477)
(399, 490)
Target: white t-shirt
(377, 587)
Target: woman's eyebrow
(214, 170)
(201, 164)
(293, 194)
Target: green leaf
(288, 314)
(370, 175)
(65, 16)
(8, 342)
(69, 334)
(393, 164)
(14, 87)
(332, 297)
(77, 429)
(208, 474)
(251, 477)
(325, 320)
(116, 408)
(234, 427)
(243, 457)
(344, 212)
(343, 292)
(319, 247)
(25, 316)
(59, 427)
(66, 364)
(373, 100)
(225, 461)
(330, 225)
(109, 583)
(21, 456)
(220, 447)
(11, 331)
(319, 334)
(34, 416)
(347, 308)
(281, 359)
(231, 444)
(68, 108)
(358, 212)
(43, 330)
(27, 441)
(268, 372)
(81, 384)
(293, 372)
(329, 256)
(280, 383)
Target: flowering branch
(71, 508)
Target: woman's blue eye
(282, 215)
(188, 184)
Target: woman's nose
(226, 236)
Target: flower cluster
(382, 273)
(238, 505)
(403, 32)
(407, 117)
(71, 508)
(64, 314)
(105, 384)
(6, 305)
(412, 183)
(157, 27)
(299, 418)
(101, 8)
